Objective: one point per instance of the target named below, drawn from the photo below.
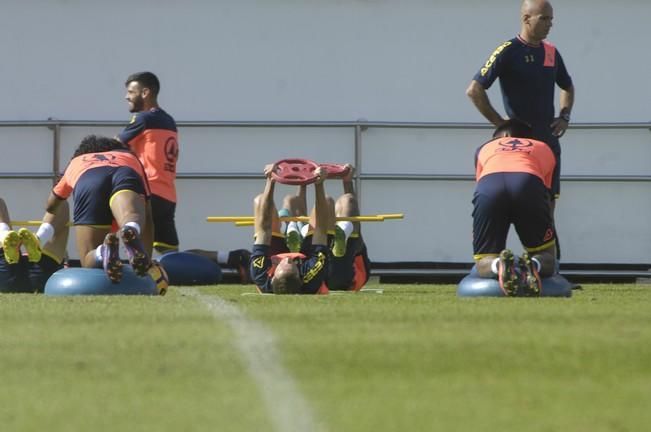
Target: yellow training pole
(228, 218)
(392, 216)
(242, 223)
(34, 223)
(26, 223)
(363, 218)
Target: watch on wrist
(565, 116)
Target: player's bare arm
(263, 212)
(320, 235)
(479, 98)
(348, 179)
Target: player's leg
(92, 217)
(52, 239)
(491, 223)
(535, 227)
(129, 209)
(345, 206)
(294, 205)
(328, 220)
(163, 217)
(10, 254)
(9, 239)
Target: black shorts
(555, 145)
(502, 199)
(351, 271)
(163, 212)
(26, 277)
(95, 188)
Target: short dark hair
(515, 128)
(287, 283)
(98, 144)
(145, 79)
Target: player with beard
(152, 136)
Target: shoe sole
(32, 245)
(138, 259)
(112, 263)
(532, 281)
(339, 244)
(508, 280)
(10, 247)
(293, 241)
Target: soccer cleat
(294, 240)
(239, 260)
(506, 275)
(530, 277)
(111, 258)
(159, 276)
(339, 243)
(31, 243)
(11, 247)
(138, 258)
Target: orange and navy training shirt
(510, 154)
(153, 137)
(82, 163)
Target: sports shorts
(502, 199)
(351, 271)
(96, 187)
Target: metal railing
(358, 127)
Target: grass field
(412, 358)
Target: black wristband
(565, 116)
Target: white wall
(333, 60)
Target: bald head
(536, 17)
(533, 7)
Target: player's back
(511, 154)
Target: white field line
(287, 408)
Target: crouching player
(107, 182)
(514, 177)
(43, 252)
(273, 268)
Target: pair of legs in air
(44, 251)
(349, 264)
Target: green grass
(415, 358)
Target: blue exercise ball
(93, 281)
(186, 268)
(475, 286)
